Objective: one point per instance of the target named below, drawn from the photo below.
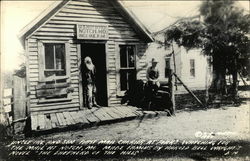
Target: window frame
(41, 57)
(118, 65)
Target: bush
(21, 72)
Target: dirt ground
(227, 122)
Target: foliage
(21, 72)
(224, 28)
(221, 32)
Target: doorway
(98, 55)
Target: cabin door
(98, 55)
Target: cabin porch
(87, 118)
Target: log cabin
(59, 39)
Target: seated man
(153, 75)
(153, 82)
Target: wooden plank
(102, 115)
(99, 116)
(56, 30)
(106, 114)
(32, 49)
(83, 7)
(50, 107)
(83, 117)
(94, 16)
(54, 21)
(58, 26)
(122, 115)
(52, 86)
(91, 117)
(111, 113)
(70, 10)
(127, 113)
(54, 79)
(60, 104)
(120, 111)
(54, 34)
(34, 122)
(51, 92)
(7, 92)
(48, 124)
(92, 4)
(73, 115)
(54, 100)
(76, 116)
(7, 108)
(33, 54)
(6, 101)
(79, 116)
(34, 79)
(63, 118)
(135, 110)
(119, 115)
(68, 118)
(33, 75)
(56, 110)
(19, 105)
(52, 38)
(32, 40)
(41, 122)
(60, 118)
(129, 110)
(54, 121)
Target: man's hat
(154, 60)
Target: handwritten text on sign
(92, 31)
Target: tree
(221, 34)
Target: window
(55, 63)
(127, 66)
(192, 68)
(167, 67)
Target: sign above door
(92, 31)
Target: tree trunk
(218, 87)
(235, 79)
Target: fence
(6, 111)
(13, 111)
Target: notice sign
(92, 31)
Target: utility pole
(174, 66)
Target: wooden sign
(91, 31)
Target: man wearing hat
(153, 75)
(153, 82)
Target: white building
(192, 66)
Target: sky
(15, 15)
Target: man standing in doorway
(89, 80)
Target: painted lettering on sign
(92, 31)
